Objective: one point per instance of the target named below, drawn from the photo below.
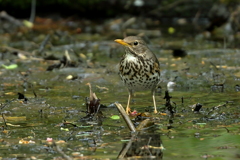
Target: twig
(227, 129)
(15, 50)
(4, 105)
(149, 140)
(126, 148)
(43, 44)
(126, 117)
(61, 152)
(4, 121)
(135, 134)
(143, 124)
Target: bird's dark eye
(135, 43)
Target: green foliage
(12, 66)
(115, 117)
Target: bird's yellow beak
(120, 41)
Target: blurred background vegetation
(101, 16)
(95, 9)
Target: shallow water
(207, 75)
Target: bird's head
(134, 45)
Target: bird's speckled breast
(139, 74)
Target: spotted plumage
(139, 68)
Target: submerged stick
(61, 152)
(126, 117)
(135, 133)
(126, 148)
(144, 124)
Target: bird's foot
(128, 110)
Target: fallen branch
(125, 117)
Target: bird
(139, 68)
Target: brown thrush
(139, 67)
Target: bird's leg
(128, 110)
(154, 102)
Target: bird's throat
(131, 58)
